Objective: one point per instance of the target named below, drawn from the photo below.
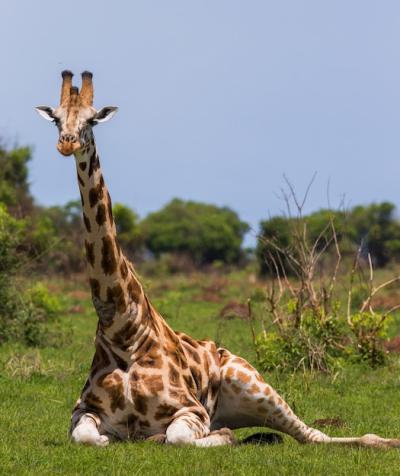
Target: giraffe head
(75, 116)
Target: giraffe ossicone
(147, 381)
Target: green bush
(308, 327)
(128, 230)
(14, 185)
(205, 233)
(374, 227)
(23, 314)
(41, 299)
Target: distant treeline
(183, 233)
(370, 231)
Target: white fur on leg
(221, 437)
(86, 432)
(179, 433)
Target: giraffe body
(147, 381)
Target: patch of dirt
(208, 297)
(53, 288)
(321, 422)
(216, 286)
(386, 301)
(392, 345)
(79, 294)
(234, 309)
(75, 310)
(213, 291)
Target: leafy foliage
(23, 314)
(128, 229)
(206, 233)
(375, 227)
(14, 185)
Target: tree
(205, 233)
(373, 227)
(14, 185)
(128, 230)
(377, 229)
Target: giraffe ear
(105, 114)
(46, 112)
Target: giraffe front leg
(85, 431)
(188, 429)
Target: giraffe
(147, 381)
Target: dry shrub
(306, 324)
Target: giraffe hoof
(228, 434)
(375, 441)
(102, 440)
(159, 438)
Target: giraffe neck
(117, 294)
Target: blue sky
(218, 99)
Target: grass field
(38, 388)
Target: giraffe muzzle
(68, 144)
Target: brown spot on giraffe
(254, 389)
(120, 362)
(94, 163)
(81, 182)
(101, 216)
(244, 377)
(236, 388)
(189, 381)
(109, 208)
(90, 253)
(153, 384)
(173, 375)
(152, 357)
(122, 338)
(116, 295)
(108, 260)
(93, 402)
(134, 289)
(229, 374)
(113, 385)
(95, 287)
(123, 269)
(100, 359)
(197, 377)
(95, 194)
(140, 403)
(165, 411)
(86, 221)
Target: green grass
(38, 388)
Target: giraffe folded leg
(189, 430)
(246, 400)
(86, 431)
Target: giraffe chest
(143, 400)
(135, 406)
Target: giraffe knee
(86, 432)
